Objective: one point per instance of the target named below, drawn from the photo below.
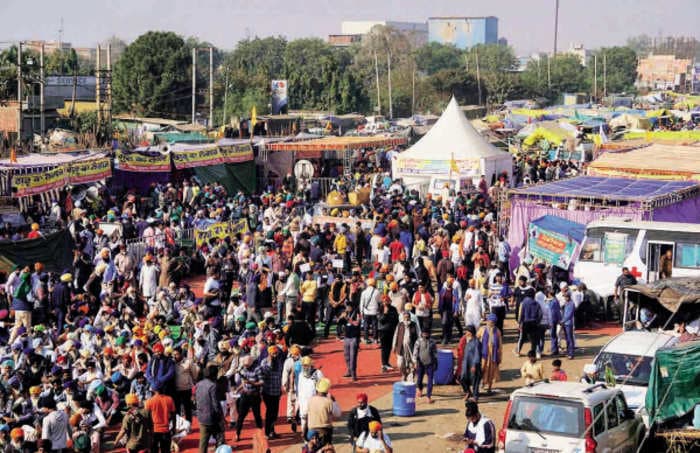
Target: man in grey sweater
(209, 414)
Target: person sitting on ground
(557, 373)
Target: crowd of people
(113, 339)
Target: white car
(630, 356)
(569, 417)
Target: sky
(528, 25)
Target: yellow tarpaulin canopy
(552, 133)
(80, 107)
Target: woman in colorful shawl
(491, 351)
(469, 358)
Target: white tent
(452, 138)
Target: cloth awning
(652, 162)
(338, 144)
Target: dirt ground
(440, 425)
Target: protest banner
(219, 230)
(142, 163)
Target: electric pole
(98, 90)
(211, 88)
(42, 121)
(605, 75)
(19, 92)
(388, 65)
(556, 25)
(376, 73)
(194, 83)
(108, 115)
(595, 78)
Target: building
(463, 32)
(352, 31)
(663, 72)
(579, 51)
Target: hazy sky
(527, 24)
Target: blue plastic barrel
(404, 403)
(444, 374)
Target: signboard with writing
(614, 247)
(367, 224)
(199, 157)
(35, 183)
(279, 96)
(89, 171)
(470, 167)
(551, 247)
(142, 163)
(219, 230)
(237, 153)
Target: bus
(612, 244)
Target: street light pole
(19, 92)
(42, 122)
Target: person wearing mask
(272, 368)
(388, 319)
(374, 440)
(162, 411)
(323, 409)
(369, 303)
(469, 363)
(209, 412)
(136, 429)
(425, 355)
(186, 372)
(250, 382)
(360, 418)
(480, 433)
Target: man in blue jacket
(568, 322)
(530, 317)
(160, 372)
(554, 321)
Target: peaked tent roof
(453, 135)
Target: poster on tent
(142, 163)
(36, 183)
(551, 247)
(89, 171)
(614, 247)
(219, 230)
(236, 153)
(199, 157)
(420, 167)
(279, 96)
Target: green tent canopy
(233, 177)
(674, 384)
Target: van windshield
(547, 415)
(628, 368)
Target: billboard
(550, 246)
(279, 96)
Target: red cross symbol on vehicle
(635, 272)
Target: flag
(13, 155)
(253, 120)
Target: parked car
(553, 417)
(630, 356)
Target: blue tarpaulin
(574, 230)
(614, 188)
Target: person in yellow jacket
(309, 292)
(340, 246)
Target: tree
(8, 71)
(567, 76)
(457, 82)
(153, 76)
(621, 69)
(61, 62)
(679, 46)
(433, 57)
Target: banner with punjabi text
(142, 163)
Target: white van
(612, 244)
(552, 417)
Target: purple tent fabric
(612, 188)
(139, 181)
(687, 211)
